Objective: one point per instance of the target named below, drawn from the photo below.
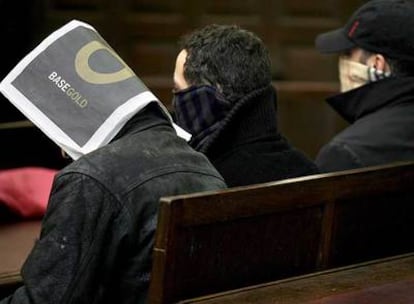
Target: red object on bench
(25, 191)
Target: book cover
(77, 90)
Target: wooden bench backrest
(374, 220)
(212, 242)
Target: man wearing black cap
(376, 71)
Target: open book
(77, 90)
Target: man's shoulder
(140, 157)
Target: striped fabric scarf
(200, 110)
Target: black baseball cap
(379, 26)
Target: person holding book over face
(224, 97)
(97, 234)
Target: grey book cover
(76, 89)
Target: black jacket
(97, 235)
(381, 115)
(247, 148)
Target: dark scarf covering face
(200, 110)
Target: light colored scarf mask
(353, 74)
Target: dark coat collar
(369, 98)
(252, 117)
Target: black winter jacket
(381, 115)
(97, 235)
(247, 148)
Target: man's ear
(378, 62)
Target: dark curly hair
(227, 57)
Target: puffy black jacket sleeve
(337, 157)
(63, 266)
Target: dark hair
(401, 68)
(227, 57)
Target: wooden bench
(383, 281)
(212, 242)
(16, 241)
(207, 243)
